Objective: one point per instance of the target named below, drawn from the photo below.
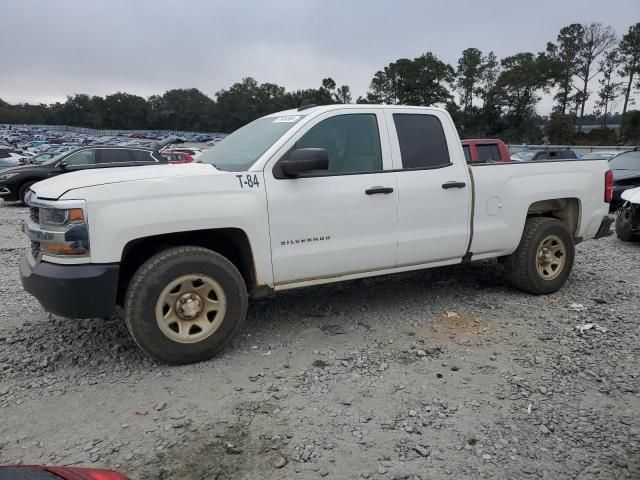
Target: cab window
(352, 143)
(422, 141)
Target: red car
(29, 472)
(485, 150)
(177, 157)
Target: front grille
(34, 214)
(35, 250)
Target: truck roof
(351, 106)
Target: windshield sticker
(288, 119)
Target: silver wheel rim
(551, 257)
(191, 308)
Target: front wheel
(544, 258)
(185, 304)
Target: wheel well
(565, 209)
(28, 180)
(232, 243)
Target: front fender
(122, 212)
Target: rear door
(433, 184)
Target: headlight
(7, 176)
(54, 217)
(61, 232)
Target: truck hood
(632, 195)
(54, 188)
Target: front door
(340, 221)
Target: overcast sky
(51, 49)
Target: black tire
(623, 226)
(155, 275)
(22, 192)
(521, 265)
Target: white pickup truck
(295, 199)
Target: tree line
(487, 96)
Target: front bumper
(629, 216)
(74, 291)
(605, 227)
(616, 199)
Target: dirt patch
(453, 327)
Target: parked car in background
(13, 156)
(41, 147)
(176, 157)
(626, 174)
(194, 153)
(599, 155)
(537, 155)
(15, 182)
(485, 150)
(42, 158)
(4, 164)
(628, 217)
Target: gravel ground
(445, 373)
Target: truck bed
(503, 191)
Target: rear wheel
(624, 230)
(185, 304)
(543, 260)
(22, 192)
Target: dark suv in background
(626, 174)
(15, 182)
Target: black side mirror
(63, 165)
(304, 160)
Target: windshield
(242, 148)
(626, 161)
(524, 155)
